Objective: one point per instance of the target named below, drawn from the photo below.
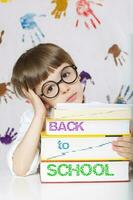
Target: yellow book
(90, 111)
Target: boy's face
(70, 91)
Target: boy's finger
(126, 138)
(25, 92)
(121, 149)
(126, 155)
(31, 91)
(121, 143)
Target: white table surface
(30, 188)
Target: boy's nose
(64, 88)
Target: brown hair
(36, 64)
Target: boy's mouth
(72, 98)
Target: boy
(45, 75)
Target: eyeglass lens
(51, 89)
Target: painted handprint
(1, 36)
(125, 94)
(97, 2)
(84, 10)
(4, 1)
(31, 28)
(84, 76)
(8, 137)
(117, 54)
(5, 91)
(61, 6)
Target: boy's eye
(66, 74)
(50, 89)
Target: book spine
(86, 127)
(84, 171)
(94, 113)
(78, 149)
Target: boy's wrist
(40, 114)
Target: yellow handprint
(61, 6)
(5, 1)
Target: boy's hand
(124, 145)
(36, 102)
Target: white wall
(88, 47)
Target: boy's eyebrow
(51, 69)
(59, 72)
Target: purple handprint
(8, 137)
(84, 76)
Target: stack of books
(77, 143)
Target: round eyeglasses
(51, 89)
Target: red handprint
(84, 9)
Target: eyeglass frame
(57, 83)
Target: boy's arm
(28, 147)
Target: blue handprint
(30, 26)
(8, 137)
(125, 94)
